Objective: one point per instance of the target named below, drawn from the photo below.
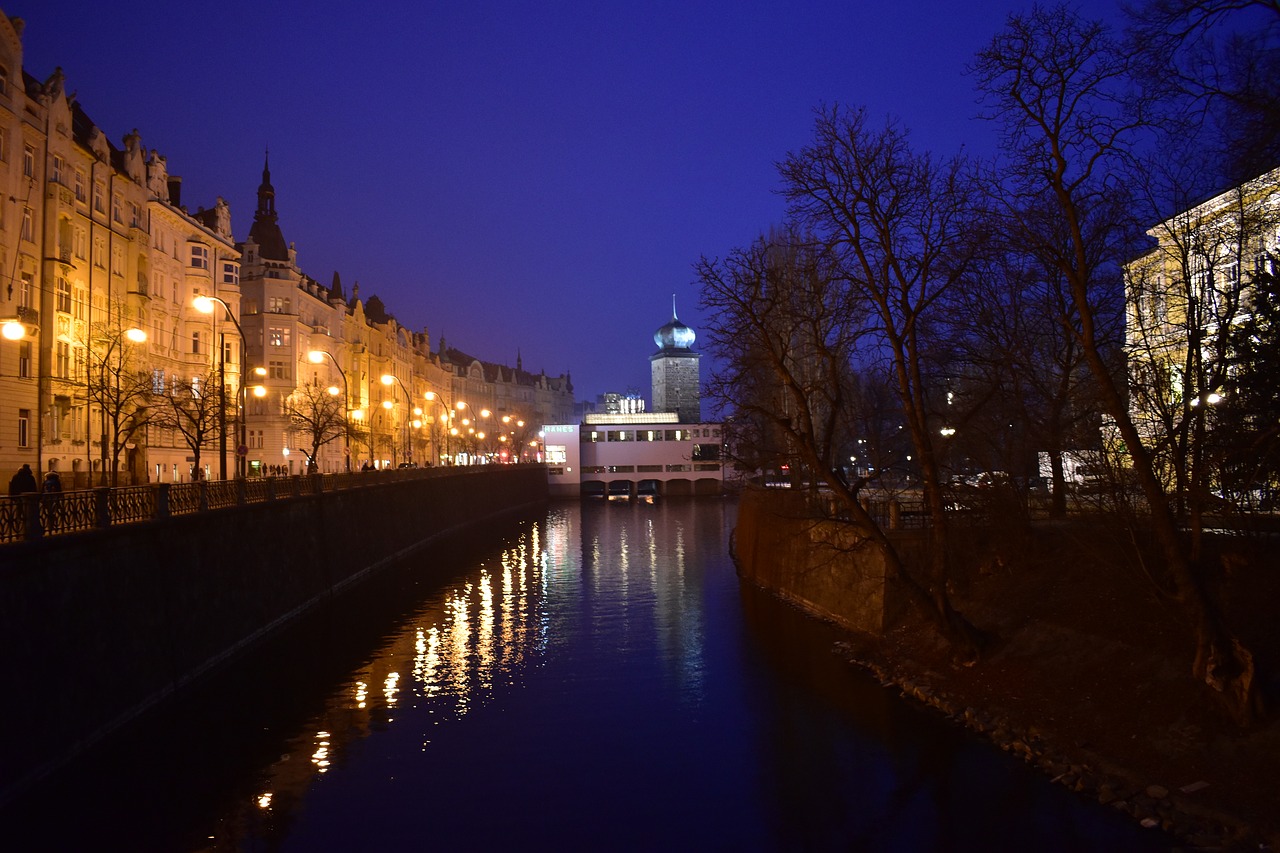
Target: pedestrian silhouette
(22, 482)
(52, 482)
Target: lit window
(278, 336)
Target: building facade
(619, 455)
(116, 300)
(1182, 295)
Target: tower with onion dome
(675, 371)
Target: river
(593, 679)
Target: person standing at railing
(52, 499)
(23, 482)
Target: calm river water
(595, 679)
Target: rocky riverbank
(1088, 678)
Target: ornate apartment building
(101, 267)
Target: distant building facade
(101, 264)
(626, 455)
(1184, 293)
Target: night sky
(532, 176)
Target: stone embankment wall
(820, 565)
(96, 627)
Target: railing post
(242, 491)
(204, 495)
(895, 514)
(271, 488)
(162, 500)
(32, 528)
(102, 505)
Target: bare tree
(318, 415)
(194, 410)
(1061, 89)
(902, 228)
(121, 389)
(1214, 64)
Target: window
(64, 295)
(255, 439)
(226, 352)
(78, 242)
(28, 225)
(97, 196)
(4, 80)
(195, 343)
(230, 273)
(278, 369)
(135, 215)
(58, 164)
(24, 427)
(200, 256)
(25, 289)
(279, 305)
(29, 162)
(24, 360)
(278, 336)
(80, 185)
(62, 360)
(99, 252)
(157, 380)
(115, 208)
(117, 260)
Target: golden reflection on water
(470, 640)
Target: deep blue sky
(538, 176)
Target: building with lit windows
(1194, 284)
(113, 296)
(99, 264)
(643, 454)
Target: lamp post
(204, 304)
(131, 336)
(433, 397)
(316, 356)
(388, 379)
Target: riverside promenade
(112, 599)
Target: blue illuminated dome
(674, 335)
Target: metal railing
(34, 516)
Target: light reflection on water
(602, 682)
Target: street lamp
(204, 304)
(388, 379)
(131, 336)
(316, 356)
(433, 397)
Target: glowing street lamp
(205, 305)
(316, 356)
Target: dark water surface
(596, 679)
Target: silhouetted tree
(1062, 90)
